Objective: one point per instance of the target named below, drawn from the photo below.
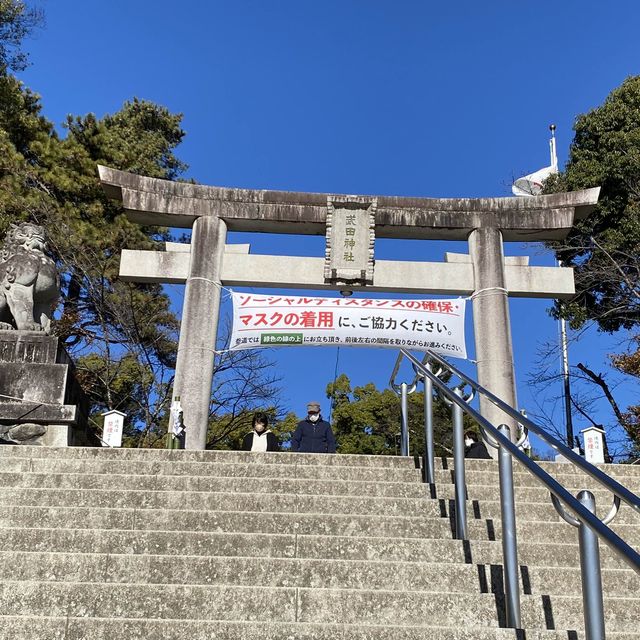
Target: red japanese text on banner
(276, 321)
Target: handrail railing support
(429, 453)
(509, 536)
(592, 601)
(458, 466)
(404, 408)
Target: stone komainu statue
(29, 283)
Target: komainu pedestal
(41, 401)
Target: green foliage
(366, 420)
(17, 21)
(604, 247)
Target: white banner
(277, 321)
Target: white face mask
(468, 442)
(314, 417)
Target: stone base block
(39, 391)
(58, 435)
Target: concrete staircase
(179, 545)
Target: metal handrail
(584, 515)
(615, 487)
(590, 527)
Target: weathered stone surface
(123, 568)
(253, 485)
(214, 544)
(35, 382)
(70, 628)
(11, 412)
(153, 201)
(209, 501)
(228, 470)
(38, 387)
(31, 348)
(125, 541)
(442, 577)
(198, 328)
(414, 607)
(29, 283)
(391, 276)
(27, 433)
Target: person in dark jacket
(260, 438)
(473, 448)
(313, 434)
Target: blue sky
(377, 97)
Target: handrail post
(592, 603)
(428, 429)
(458, 466)
(509, 537)
(404, 408)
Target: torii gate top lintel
(177, 204)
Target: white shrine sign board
(593, 445)
(112, 428)
(275, 321)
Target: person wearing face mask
(260, 438)
(473, 448)
(313, 434)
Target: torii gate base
(206, 264)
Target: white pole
(552, 148)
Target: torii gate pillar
(198, 331)
(491, 324)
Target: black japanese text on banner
(276, 321)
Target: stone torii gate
(207, 263)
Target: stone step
(621, 472)
(242, 457)
(297, 572)
(525, 479)
(229, 521)
(538, 494)
(264, 522)
(255, 485)
(187, 472)
(539, 554)
(541, 512)
(282, 545)
(283, 472)
(288, 604)
(89, 454)
(149, 483)
(82, 628)
(208, 501)
(221, 470)
(284, 502)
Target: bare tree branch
(600, 381)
